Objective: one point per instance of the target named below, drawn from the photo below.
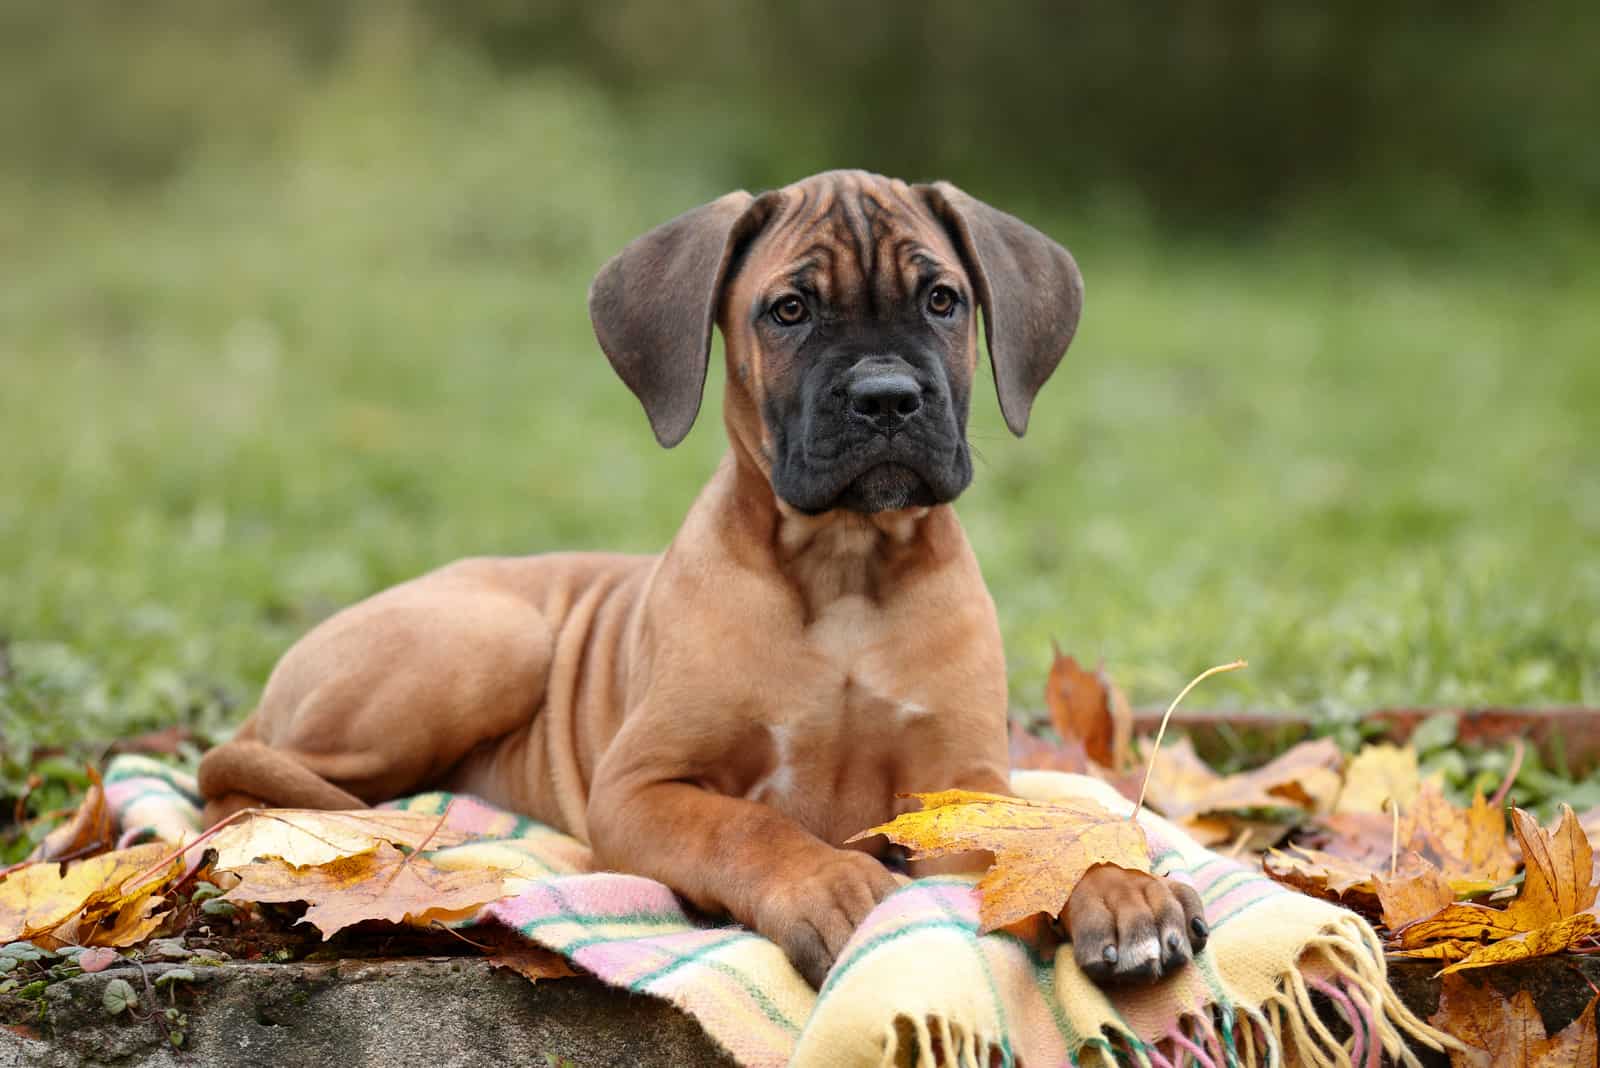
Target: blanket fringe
(1345, 964)
(934, 1040)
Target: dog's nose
(886, 399)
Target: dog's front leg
(726, 854)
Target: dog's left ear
(654, 303)
(1029, 288)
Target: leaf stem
(1161, 732)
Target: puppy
(817, 638)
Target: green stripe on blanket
(917, 977)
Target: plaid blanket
(917, 983)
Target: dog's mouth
(885, 488)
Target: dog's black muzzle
(871, 432)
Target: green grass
(301, 370)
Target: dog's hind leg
(385, 697)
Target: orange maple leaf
(1041, 849)
(381, 884)
(1550, 914)
(1087, 707)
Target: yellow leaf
(1551, 912)
(1377, 774)
(382, 884)
(308, 837)
(1560, 868)
(1041, 849)
(1452, 950)
(38, 898)
(1558, 937)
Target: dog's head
(848, 303)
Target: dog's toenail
(1198, 926)
(1109, 955)
(1174, 943)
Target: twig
(464, 938)
(1394, 834)
(1518, 748)
(1162, 730)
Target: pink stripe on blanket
(600, 896)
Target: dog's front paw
(812, 914)
(1129, 927)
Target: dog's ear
(654, 303)
(1029, 288)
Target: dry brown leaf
(1550, 914)
(1327, 875)
(38, 898)
(307, 837)
(383, 884)
(1089, 708)
(1032, 752)
(1041, 849)
(1377, 774)
(1419, 893)
(1182, 785)
(89, 831)
(1467, 844)
(510, 950)
(1510, 1033)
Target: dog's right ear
(654, 304)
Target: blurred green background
(292, 308)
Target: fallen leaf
(97, 959)
(1559, 866)
(1327, 875)
(308, 837)
(1416, 895)
(1216, 808)
(380, 884)
(38, 898)
(1377, 774)
(1041, 849)
(1558, 937)
(1465, 843)
(1033, 752)
(1467, 846)
(1510, 1033)
(1550, 914)
(1089, 708)
(89, 831)
(533, 962)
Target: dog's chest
(836, 748)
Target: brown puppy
(815, 640)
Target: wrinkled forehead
(859, 243)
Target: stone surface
(445, 1012)
(439, 1013)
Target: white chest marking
(779, 782)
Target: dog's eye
(942, 301)
(790, 311)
